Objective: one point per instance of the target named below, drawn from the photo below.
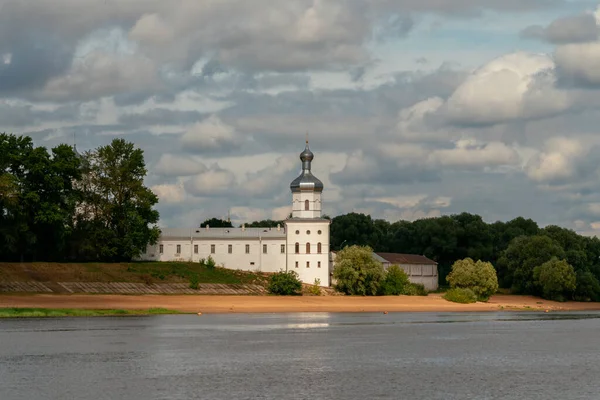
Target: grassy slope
(142, 272)
(72, 312)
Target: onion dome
(306, 182)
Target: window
(318, 264)
(161, 248)
(212, 249)
(229, 248)
(195, 249)
(178, 249)
(319, 247)
(296, 264)
(307, 248)
(319, 232)
(282, 248)
(264, 249)
(308, 264)
(308, 232)
(306, 205)
(247, 249)
(297, 248)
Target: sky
(414, 108)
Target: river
(303, 356)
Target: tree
(216, 223)
(116, 219)
(265, 223)
(556, 278)
(357, 272)
(478, 276)
(524, 254)
(588, 287)
(395, 282)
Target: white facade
(301, 245)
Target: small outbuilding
(419, 269)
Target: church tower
(307, 232)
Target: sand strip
(272, 304)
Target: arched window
(306, 205)
(319, 247)
(297, 248)
(307, 248)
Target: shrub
(194, 282)
(461, 295)
(395, 282)
(285, 283)
(556, 278)
(210, 263)
(315, 289)
(478, 276)
(415, 289)
(357, 272)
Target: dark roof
(398, 258)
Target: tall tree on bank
(115, 219)
(36, 199)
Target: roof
(399, 258)
(221, 233)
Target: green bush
(210, 263)
(194, 282)
(461, 295)
(556, 278)
(285, 284)
(395, 282)
(356, 271)
(315, 289)
(415, 289)
(478, 276)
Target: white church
(301, 245)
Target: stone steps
(130, 288)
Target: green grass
(74, 312)
(136, 272)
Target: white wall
(314, 205)
(255, 260)
(309, 273)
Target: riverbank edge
(276, 304)
(37, 312)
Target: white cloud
(169, 193)
(557, 161)
(102, 74)
(213, 182)
(501, 91)
(211, 135)
(178, 165)
(579, 62)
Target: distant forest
(515, 247)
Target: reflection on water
(299, 356)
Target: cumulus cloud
(102, 74)
(471, 154)
(557, 162)
(571, 29)
(211, 135)
(213, 182)
(178, 165)
(579, 63)
(169, 193)
(513, 86)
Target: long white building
(301, 244)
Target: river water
(303, 356)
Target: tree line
(59, 205)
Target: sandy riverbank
(270, 304)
